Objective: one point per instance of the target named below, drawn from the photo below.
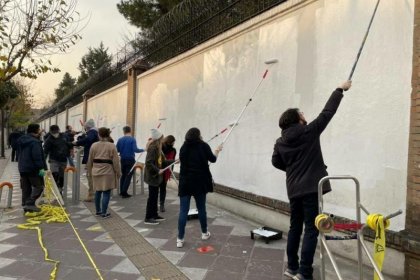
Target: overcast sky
(106, 24)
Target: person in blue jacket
(31, 167)
(127, 147)
(87, 141)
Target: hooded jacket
(31, 156)
(154, 162)
(298, 152)
(91, 137)
(57, 149)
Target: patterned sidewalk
(124, 247)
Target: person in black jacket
(13, 140)
(153, 176)
(87, 141)
(194, 180)
(57, 148)
(31, 166)
(298, 153)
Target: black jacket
(195, 177)
(57, 149)
(31, 156)
(13, 139)
(298, 152)
(152, 167)
(87, 142)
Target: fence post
(9, 195)
(66, 176)
(141, 167)
(76, 177)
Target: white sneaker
(179, 243)
(205, 236)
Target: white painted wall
(62, 121)
(109, 109)
(316, 47)
(52, 121)
(75, 116)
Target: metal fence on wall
(190, 23)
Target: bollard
(76, 177)
(66, 176)
(9, 195)
(141, 167)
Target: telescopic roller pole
(363, 42)
(269, 63)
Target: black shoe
(126, 195)
(162, 208)
(31, 208)
(105, 216)
(160, 219)
(151, 222)
(98, 214)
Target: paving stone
(236, 251)
(114, 250)
(20, 269)
(267, 254)
(121, 276)
(191, 260)
(172, 256)
(265, 268)
(194, 273)
(6, 247)
(125, 266)
(106, 262)
(219, 275)
(24, 253)
(235, 265)
(5, 262)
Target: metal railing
(190, 23)
(360, 239)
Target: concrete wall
(61, 121)
(75, 116)
(316, 46)
(109, 109)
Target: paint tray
(192, 214)
(267, 234)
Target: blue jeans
(303, 211)
(125, 180)
(105, 195)
(200, 202)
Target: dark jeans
(125, 180)
(162, 191)
(32, 187)
(15, 154)
(200, 202)
(152, 203)
(105, 195)
(303, 211)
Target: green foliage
(8, 91)
(20, 108)
(65, 87)
(95, 59)
(144, 13)
(30, 30)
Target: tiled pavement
(21, 256)
(233, 255)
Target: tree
(65, 87)
(30, 30)
(94, 60)
(144, 13)
(20, 108)
(8, 91)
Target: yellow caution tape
(50, 213)
(324, 223)
(376, 222)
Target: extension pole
(269, 62)
(363, 42)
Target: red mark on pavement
(205, 249)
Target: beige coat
(105, 176)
